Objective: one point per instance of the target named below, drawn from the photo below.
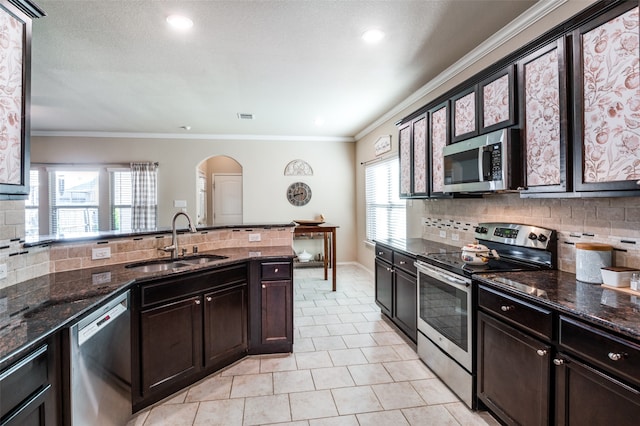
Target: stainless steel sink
(160, 265)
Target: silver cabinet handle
(541, 352)
(507, 308)
(558, 361)
(615, 356)
(275, 270)
(402, 262)
(197, 301)
(380, 253)
(264, 286)
(390, 269)
(209, 299)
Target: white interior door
(227, 198)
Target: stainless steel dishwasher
(100, 356)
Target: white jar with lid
(590, 258)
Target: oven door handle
(457, 282)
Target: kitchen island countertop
(37, 308)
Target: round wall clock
(299, 194)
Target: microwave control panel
(492, 170)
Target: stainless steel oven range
(446, 297)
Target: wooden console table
(329, 233)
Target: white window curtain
(144, 195)
(385, 211)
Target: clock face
(299, 194)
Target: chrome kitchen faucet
(173, 248)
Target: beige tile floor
(349, 367)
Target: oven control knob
(533, 236)
(481, 230)
(542, 238)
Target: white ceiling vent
(244, 116)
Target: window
(69, 200)
(31, 205)
(385, 211)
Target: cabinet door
(586, 396)
(513, 373)
(497, 101)
(171, 343)
(277, 323)
(419, 167)
(225, 325)
(406, 307)
(606, 99)
(438, 139)
(543, 117)
(384, 286)
(464, 115)
(404, 153)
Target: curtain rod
(381, 158)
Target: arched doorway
(219, 189)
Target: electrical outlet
(255, 237)
(443, 234)
(100, 253)
(101, 278)
(455, 237)
(3, 271)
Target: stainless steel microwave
(484, 163)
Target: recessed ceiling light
(373, 36)
(319, 121)
(187, 128)
(179, 22)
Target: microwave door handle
(484, 163)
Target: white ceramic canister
(590, 258)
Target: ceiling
(116, 67)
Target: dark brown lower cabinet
(514, 373)
(406, 303)
(225, 325)
(384, 286)
(186, 328)
(587, 396)
(171, 343)
(29, 388)
(272, 307)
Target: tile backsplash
(24, 263)
(614, 221)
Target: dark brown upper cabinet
(15, 90)
(542, 81)
(414, 170)
(464, 114)
(438, 138)
(497, 101)
(606, 100)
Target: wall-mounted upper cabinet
(414, 170)
(542, 80)
(606, 98)
(438, 139)
(498, 101)
(464, 114)
(15, 78)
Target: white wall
(263, 164)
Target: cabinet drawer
(384, 253)
(22, 380)
(535, 319)
(165, 290)
(405, 262)
(276, 270)
(610, 352)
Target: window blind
(385, 211)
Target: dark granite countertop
(34, 309)
(416, 246)
(611, 309)
(41, 240)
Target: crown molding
(529, 17)
(230, 137)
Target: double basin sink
(159, 265)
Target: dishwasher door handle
(88, 330)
